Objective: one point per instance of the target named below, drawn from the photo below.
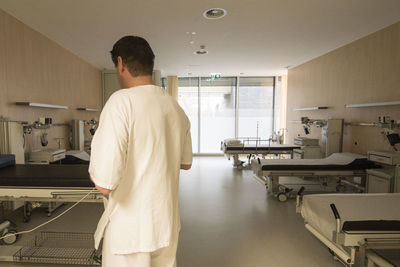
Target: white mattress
(351, 207)
(334, 159)
(233, 142)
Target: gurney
(46, 185)
(34, 185)
(253, 147)
(337, 167)
(358, 229)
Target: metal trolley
(59, 248)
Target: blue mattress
(7, 160)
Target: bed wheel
(10, 237)
(282, 197)
(281, 188)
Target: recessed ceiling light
(214, 13)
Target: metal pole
(257, 136)
(237, 107)
(273, 105)
(198, 113)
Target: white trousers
(164, 257)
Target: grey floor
(228, 220)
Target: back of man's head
(136, 54)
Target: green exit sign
(215, 75)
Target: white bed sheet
(233, 142)
(351, 207)
(334, 159)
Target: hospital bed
(359, 229)
(337, 167)
(46, 185)
(253, 147)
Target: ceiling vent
(214, 13)
(201, 51)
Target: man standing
(142, 142)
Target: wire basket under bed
(58, 248)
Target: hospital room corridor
(228, 220)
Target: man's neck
(138, 81)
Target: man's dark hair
(136, 54)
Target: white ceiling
(257, 37)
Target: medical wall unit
(332, 137)
(77, 135)
(12, 140)
(310, 148)
(81, 133)
(331, 133)
(387, 178)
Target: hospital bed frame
(261, 147)
(46, 185)
(53, 198)
(270, 179)
(355, 247)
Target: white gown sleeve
(187, 155)
(109, 144)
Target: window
(217, 112)
(219, 109)
(188, 95)
(256, 103)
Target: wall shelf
(309, 108)
(40, 105)
(88, 109)
(377, 104)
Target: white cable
(49, 221)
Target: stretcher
(338, 167)
(253, 147)
(359, 229)
(45, 186)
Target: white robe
(142, 139)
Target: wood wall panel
(34, 68)
(367, 70)
(3, 92)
